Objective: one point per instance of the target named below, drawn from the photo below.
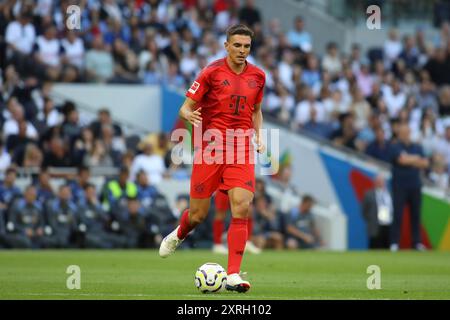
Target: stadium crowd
(356, 100)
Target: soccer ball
(210, 277)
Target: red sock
(185, 226)
(237, 236)
(249, 228)
(218, 226)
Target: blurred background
(86, 115)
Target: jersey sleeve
(260, 94)
(199, 87)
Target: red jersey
(227, 98)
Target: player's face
(238, 48)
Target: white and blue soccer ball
(210, 278)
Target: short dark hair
(241, 29)
(308, 198)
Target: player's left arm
(257, 125)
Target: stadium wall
(136, 106)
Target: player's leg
(240, 200)
(250, 246)
(191, 217)
(204, 181)
(222, 204)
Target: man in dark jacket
(407, 160)
(377, 210)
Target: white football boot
(235, 283)
(250, 247)
(220, 249)
(169, 244)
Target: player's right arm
(189, 113)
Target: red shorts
(207, 178)
(222, 201)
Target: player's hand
(195, 117)
(260, 146)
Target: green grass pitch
(141, 274)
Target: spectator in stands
(331, 62)
(173, 78)
(47, 54)
(84, 144)
(162, 146)
(285, 195)
(392, 48)
(99, 62)
(146, 192)
(20, 36)
(301, 228)
(49, 116)
(98, 156)
(379, 148)
(443, 146)
(395, 98)
(407, 161)
(3, 235)
(73, 50)
(427, 133)
(426, 97)
(32, 157)
(27, 219)
(132, 223)
(43, 187)
(70, 126)
(360, 108)
(438, 67)
(298, 37)
(151, 163)
(116, 191)
(304, 109)
(79, 183)
(438, 175)
(377, 211)
(126, 63)
(57, 155)
(94, 222)
(267, 226)
(8, 189)
(11, 126)
(346, 134)
(114, 145)
(17, 141)
(444, 101)
(62, 218)
(410, 53)
(104, 118)
(5, 159)
(249, 14)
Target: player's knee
(241, 207)
(197, 217)
(195, 220)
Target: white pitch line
(140, 295)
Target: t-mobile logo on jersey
(232, 147)
(236, 103)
